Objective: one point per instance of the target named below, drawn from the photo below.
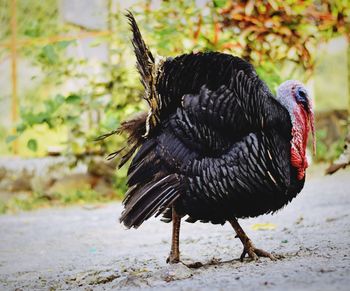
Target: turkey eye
(301, 97)
(302, 94)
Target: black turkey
(215, 146)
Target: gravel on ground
(85, 248)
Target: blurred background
(68, 75)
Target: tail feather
(145, 60)
(153, 198)
(143, 173)
(135, 129)
(149, 69)
(147, 147)
(138, 128)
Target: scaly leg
(174, 256)
(249, 247)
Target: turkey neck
(300, 132)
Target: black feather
(145, 60)
(144, 201)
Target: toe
(253, 255)
(262, 253)
(195, 265)
(243, 255)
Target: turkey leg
(248, 246)
(174, 256)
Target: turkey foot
(249, 247)
(174, 256)
(253, 252)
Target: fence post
(14, 104)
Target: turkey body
(220, 149)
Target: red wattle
(299, 141)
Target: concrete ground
(85, 248)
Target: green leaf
(49, 54)
(32, 119)
(73, 99)
(32, 145)
(219, 3)
(21, 127)
(33, 29)
(11, 138)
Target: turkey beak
(312, 127)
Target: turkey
(215, 146)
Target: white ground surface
(87, 249)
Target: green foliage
(327, 152)
(48, 55)
(32, 145)
(280, 31)
(106, 94)
(49, 115)
(10, 138)
(31, 201)
(186, 27)
(109, 91)
(73, 99)
(219, 3)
